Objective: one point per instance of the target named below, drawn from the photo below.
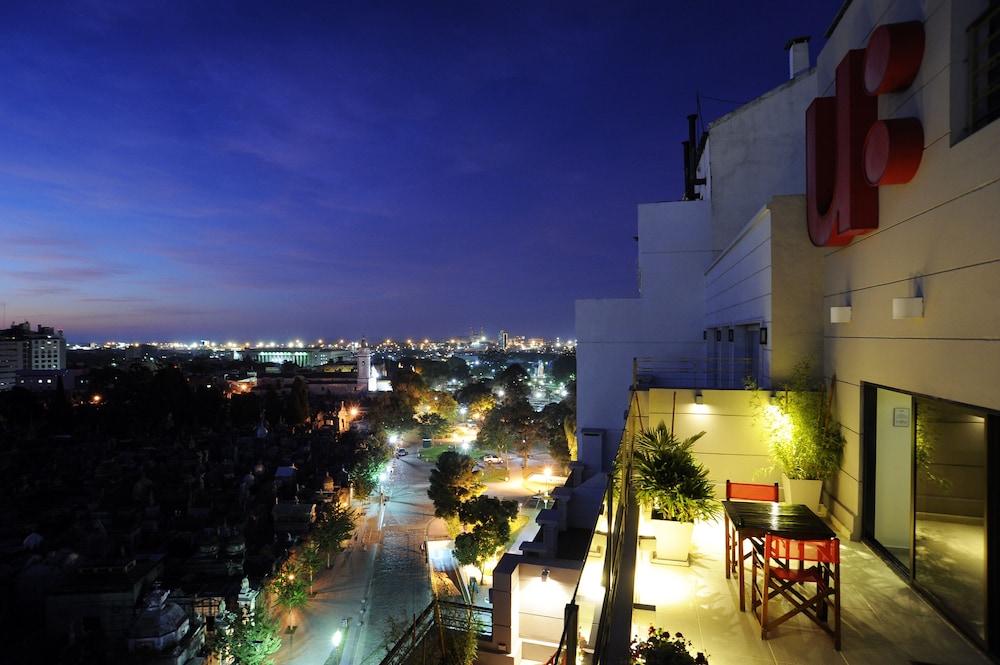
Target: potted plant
(662, 648)
(674, 486)
(804, 439)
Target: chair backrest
(822, 551)
(751, 491)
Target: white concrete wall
(732, 448)
(938, 238)
(757, 152)
(665, 321)
(674, 251)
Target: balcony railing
(720, 372)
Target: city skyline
(185, 171)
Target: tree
(453, 480)
(273, 407)
(511, 425)
(432, 425)
(290, 588)
(369, 461)
(410, 383)
(244, 410)
(310, 558)
(297, 407)
(442, 404)
(171, 398)
(478, 396)
(490, 519)
(392, 411)
(334, 525)
(522, 422)
(514, 381)
(553, 430)
(564, 367)
(250, 640)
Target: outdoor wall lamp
(699, 398)
(840, 315)
(907, 308)
(545, 574)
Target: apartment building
(848, 216)
(34, 356)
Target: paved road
(382, 580)
(381, 574)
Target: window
(984, 68)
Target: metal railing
(719, 372)
(449, 615)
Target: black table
(755, 519)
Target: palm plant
(667, 477)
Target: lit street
(381, 574)
(382, 580)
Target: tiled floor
(884, 622)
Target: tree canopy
(290, 587)
(251, 639)
(453, 480)
(491, 520)
(334, 525)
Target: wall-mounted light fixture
(699, 398)
(763, 336)
(840, 315)
(907, 308)
(704, 335)
(718, 335)
(732, 334)
(545, 574)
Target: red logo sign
(849, 151)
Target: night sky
(254, 171)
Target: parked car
(401, 452)
(490, 458)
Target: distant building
(32, 359)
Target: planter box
(803, 491)
(673, 541)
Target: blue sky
(184, 170)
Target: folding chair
(743, 492)
(812, 591)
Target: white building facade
(876, 252)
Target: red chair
(743, 492)
(812, 591)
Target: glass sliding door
(950, 532)
(926, 498)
